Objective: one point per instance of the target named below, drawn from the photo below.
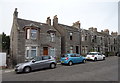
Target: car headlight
(18, 66)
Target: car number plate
(62, 61)
(88, 58)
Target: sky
(101, 14)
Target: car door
(45, 61)
(99, 56)
(36, 63)
(76, 58)
(73, 58)
(79, 58)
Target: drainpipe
(80, 39)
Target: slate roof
(68, 27)
(23, 22)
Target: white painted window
(83, 49)
(28, 34)
(33, 51)
(52, 51)
(71, 49)
(83, 38)
(52, 37)
(33, 33)
(27, 52)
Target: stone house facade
(92, 40)
(29, 39)
(118, 43)
(70, 36)
(114, 42)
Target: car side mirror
(33, 61)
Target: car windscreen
(38, 58)
(92, 53)
(64, 55)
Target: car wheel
(103, 58)
(27, 69)
(52, 65)
(70, 63)
(84, 61)
(95, 59)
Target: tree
(5, 43)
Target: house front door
(45, 51)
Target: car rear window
(64, 55)
(45, 57)
(92, 53)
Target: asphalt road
(90, 71)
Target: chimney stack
(106, 31)
(15, 13)
(76, 24)
(114, 33)
(93, 29)
(55, 20)
(48, 21)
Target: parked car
(95, 56)
(37, 63)
(118, 54)
(72, 58)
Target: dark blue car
(72, 58)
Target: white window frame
(52, 37)
(29, 49)
(35, 49)
(71, 49)
(27, 54)
(71, 35)
(28, 34)
(83, 38)
(34, 33)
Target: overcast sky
(101, 14)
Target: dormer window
(31, 31)
(52, 37)
(33, 34)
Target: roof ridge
(31, 21)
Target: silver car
(38, 62)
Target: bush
(109, 54)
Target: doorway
(45, 51)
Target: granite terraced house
(70, 36)
(29, 39)
(92, 40)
